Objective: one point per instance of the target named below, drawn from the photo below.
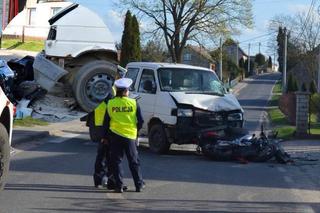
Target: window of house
(32, 16)
(55, 10)
(187, 57)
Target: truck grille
(210, 119)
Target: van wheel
(93, 83)
(158, 141)
(4, 155)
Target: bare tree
(304, 37)
(304, 29)
(180, 21)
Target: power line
(307, 19)
(254, 38)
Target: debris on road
(53, 109)
(230, 144)
(30, 99)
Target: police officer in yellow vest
(102, 167)
(125, 120)
(97, 130)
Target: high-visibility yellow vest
(123, 119)
(100, 111)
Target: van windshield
(190, 81)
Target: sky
(263, 11)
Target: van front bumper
(187, 129)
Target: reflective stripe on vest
(123, 118)
(99, 113)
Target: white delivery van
(177, 101)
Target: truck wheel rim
(98, 87)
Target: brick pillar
(302, 113)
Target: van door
(147, 90)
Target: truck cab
(80, 57)
(177, 101)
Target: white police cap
(123, 83)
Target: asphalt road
(55, 176)
(254, 99)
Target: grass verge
(29, 122)
(279, 121)
(16, 44)
(277, 118)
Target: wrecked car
(7, 76)
(177, 101)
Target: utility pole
(284, 72)
(237, 54)
(249, 59)
(259, 48)
(274, 62)
(220, 66)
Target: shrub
(313, 88)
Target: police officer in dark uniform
(96, 122)
(125, 120)
(102, 166)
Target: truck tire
(93, 82)
(158, 141)
(4, 155)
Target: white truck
(177, 101)
(6, 119)
(80, 57)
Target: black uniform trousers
(102, 165)
(120, 145)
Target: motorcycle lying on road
(237, 144)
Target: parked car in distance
(177, 101)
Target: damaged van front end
(196, 112)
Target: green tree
(253, 65)
(292, 85)
(313, 88)
(303, 87)
(260, 59)
(136, 46)
(270, 62)
(126, 40)
(153, 51)
(241, 63)
(280, 41)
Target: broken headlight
(184, 113)
(235, 117)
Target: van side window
(132, 73)
(147, 82)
